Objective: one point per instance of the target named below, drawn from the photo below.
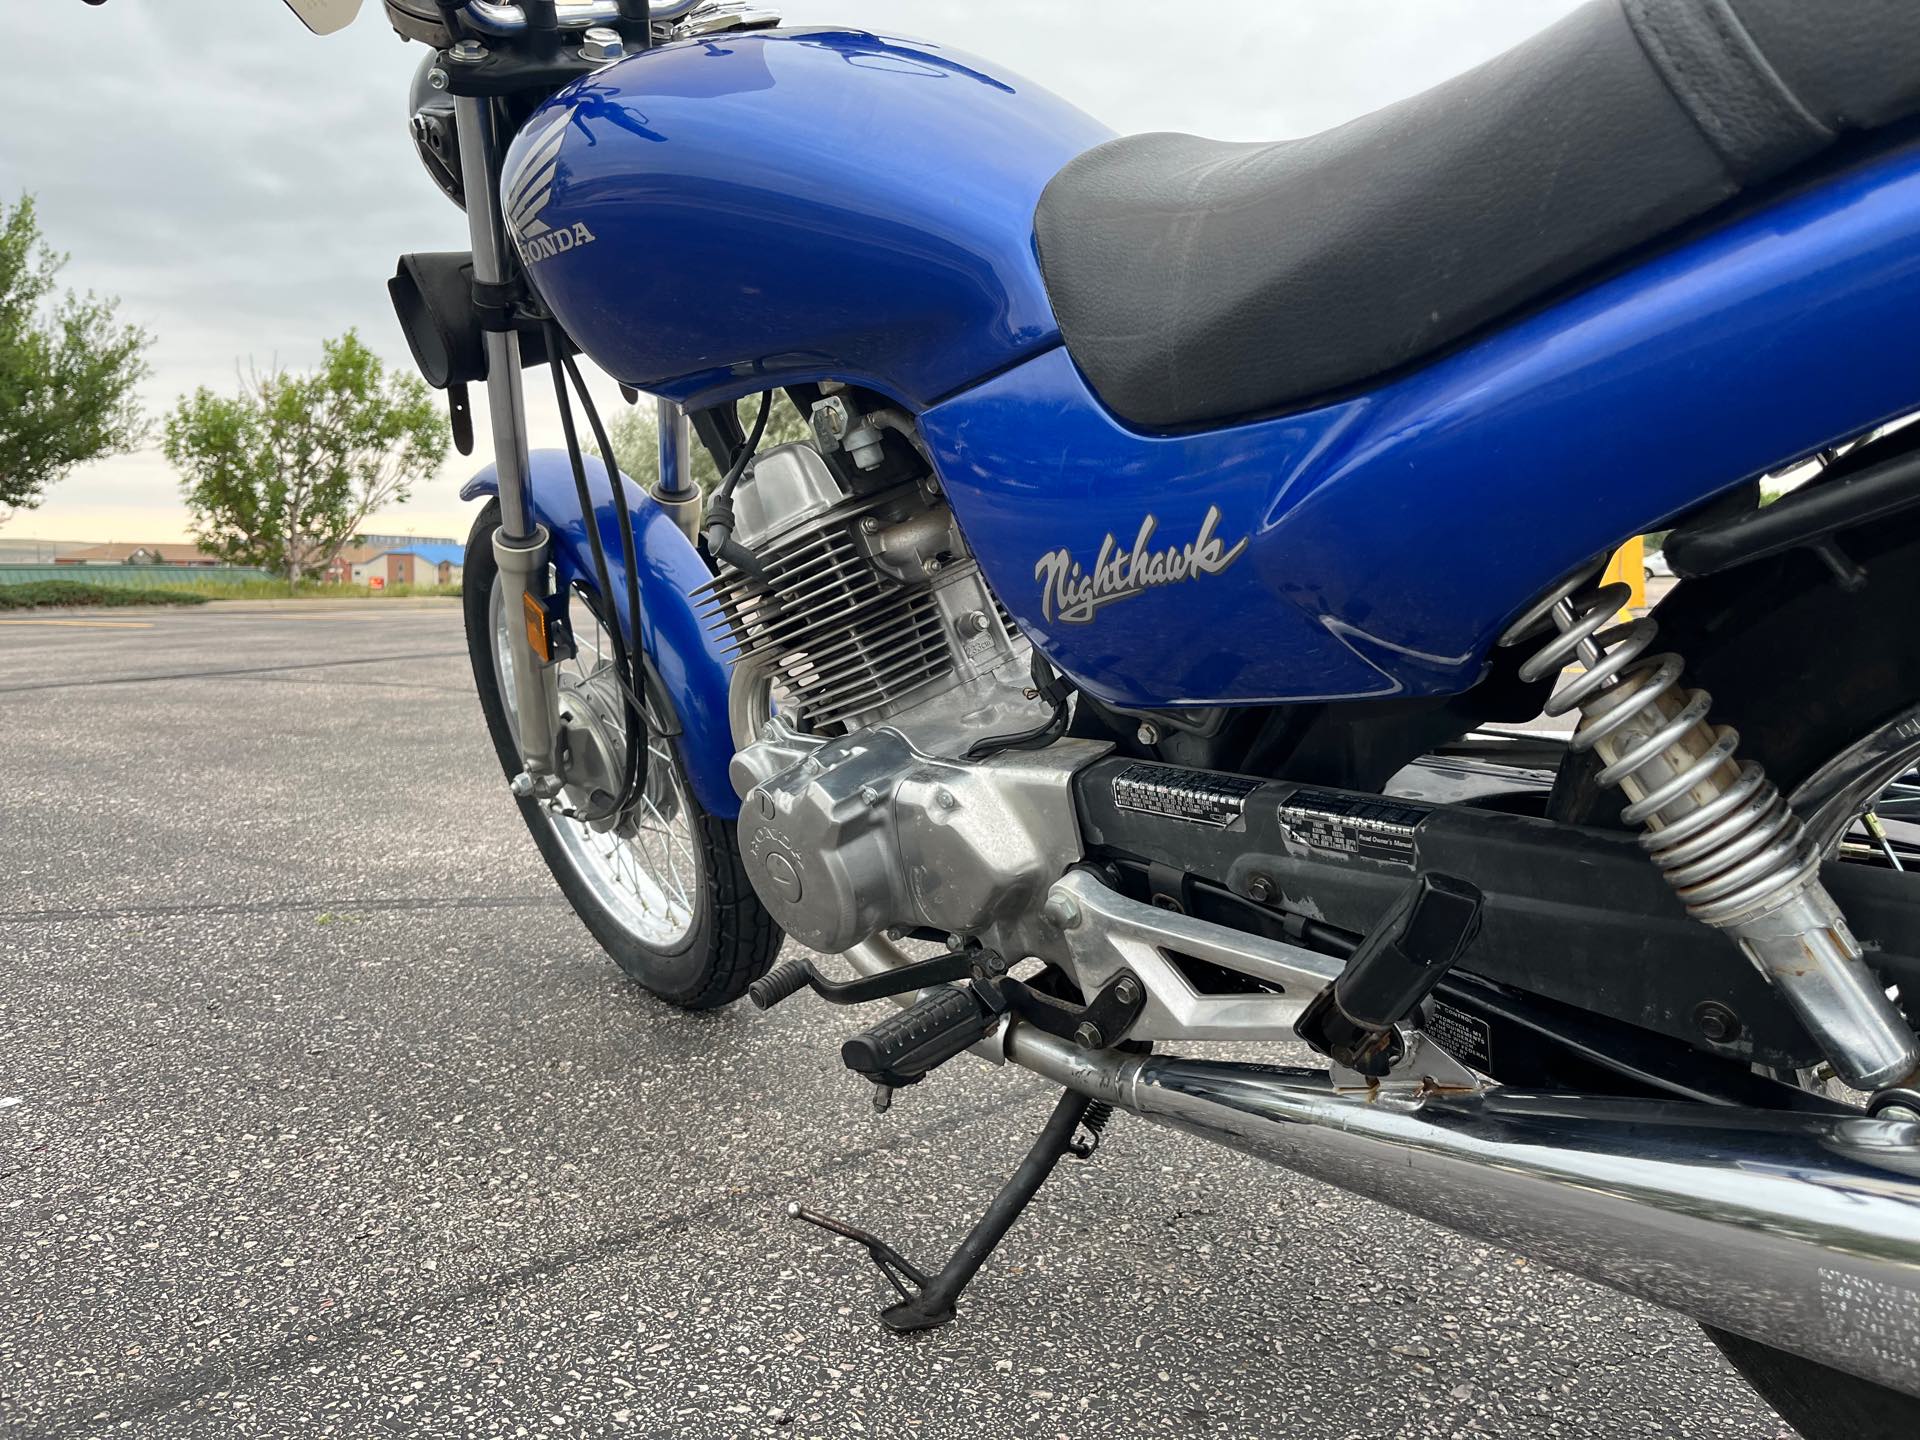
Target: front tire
(666, 894)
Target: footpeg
(927, 1301)
(1355, 1020)
(902, 1048)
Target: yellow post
(1629, 564)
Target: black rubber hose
(748, 446)
(604, 577)
(1045, 682)
(716, 524)
(635, 679)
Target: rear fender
(686, 657)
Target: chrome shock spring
(1718, 829)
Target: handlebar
(502, 17)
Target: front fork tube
(675, 492)
(523, 583)
(521, 544)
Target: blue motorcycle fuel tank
(716, 216)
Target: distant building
(341, 570)
(377, 543)
(365, 549)
(36, 552)
(417, 563)
(150, 553)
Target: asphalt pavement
(321, 1115)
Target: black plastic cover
(1579, 916)
(433, 297)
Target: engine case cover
(867, 832)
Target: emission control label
(1196, 796)
(1463, 1036)
(1355, 825)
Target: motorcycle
(1098, 676)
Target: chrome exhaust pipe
(1799, 1230)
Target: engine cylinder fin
(819, 700)
(817, 635)
(838, 692)
(851, 700)
(850, 641)
(841, 637)
(792, 626)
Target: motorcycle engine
(870, 660)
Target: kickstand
(925, 1303)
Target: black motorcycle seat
(1198, 280)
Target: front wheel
(663, 889)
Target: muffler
(1798, 1230)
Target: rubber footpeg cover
(902, 1048)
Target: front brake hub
(593, 748)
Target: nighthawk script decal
(539, 235)
(1073, 595)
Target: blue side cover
(687, 658)
(1389, 537)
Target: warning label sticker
(1463, 1036)
(1360, 826)
(1197, 796)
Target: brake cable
(638, 727)
(633, 777)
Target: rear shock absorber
(1717, 828)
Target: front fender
(685, 655)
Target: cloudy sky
(244, 187)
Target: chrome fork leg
(520, 545)
(675, 491)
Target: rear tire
(1820, 1402)
(729, 939)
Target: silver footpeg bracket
(1106, 933)
(1110, 936)
(1423, 1071)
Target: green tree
(635, 435)
(68, 369)
(285, 472)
